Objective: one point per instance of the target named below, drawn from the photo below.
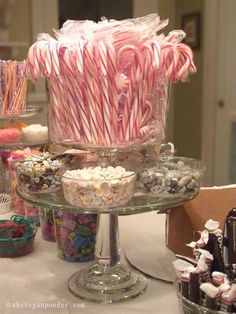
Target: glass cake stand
(107, 280)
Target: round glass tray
(140, 202)
(103, 150)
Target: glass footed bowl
(170, 177)
(98, 193)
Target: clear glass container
(47, 224)
(99, 193)
(125, 119)
(39, 173)
(75, 236)
(170, 177)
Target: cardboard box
(182, 222)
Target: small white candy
(96, 201)
(99, 192)
(116, 197)
(119, 171)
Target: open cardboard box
(183, 221)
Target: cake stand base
(107, 284)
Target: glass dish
(170, 177)
(99, 193)
(39, 173)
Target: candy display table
(45, 282)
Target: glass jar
(47, 224)
(125, 120)
(75, 235)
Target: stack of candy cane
(108, 81)
(209, 280)
(13, 87)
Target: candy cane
(104, 93)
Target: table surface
(37, 283)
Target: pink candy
(109, 81)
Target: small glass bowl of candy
(39, 173)
(98, 187)
(171, 177)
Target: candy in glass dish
(98, 187)
(108, 81)
(39, 173)
(172, 177)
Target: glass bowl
(98, 193)
(170, 177)
(39, 173)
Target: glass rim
(132, 174)
(202, 165)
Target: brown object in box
(183, 221)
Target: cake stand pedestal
(107, 280)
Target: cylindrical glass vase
(75, 235)
(47, 224)
(82, 118)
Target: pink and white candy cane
(123, 54)
(90, 97)
(177, 61)
(115, 87)
(102, 50)
(137, 101)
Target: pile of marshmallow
(208, 280)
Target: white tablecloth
(37, 283)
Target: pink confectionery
(8, 136)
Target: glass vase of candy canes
(109, 92)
